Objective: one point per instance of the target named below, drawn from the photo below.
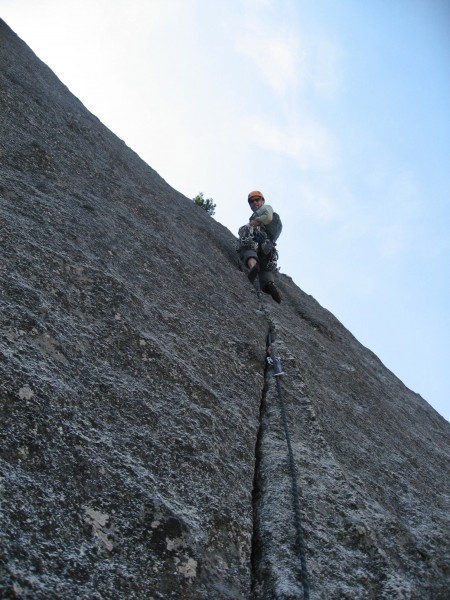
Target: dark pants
(264, 276)
(265, 261)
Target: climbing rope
(295, 490)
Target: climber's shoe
(253, 273)
(271, 288)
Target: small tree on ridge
(205, 203)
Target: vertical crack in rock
(257, 493)
(278, 569)
(297, 518)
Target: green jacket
(263, 214)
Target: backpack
(273, 229)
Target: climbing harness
(278, 372)
(254, 238)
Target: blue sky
(338, 110)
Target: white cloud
(394, 210)
(316, 203)
(325, 73)
(286, 57)
(273, 55)
(307, 142)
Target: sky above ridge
(337, 110)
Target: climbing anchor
(274, 362)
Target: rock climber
(256, 244)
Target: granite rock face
(142, 451)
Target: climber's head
(256, 198)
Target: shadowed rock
(134, 394)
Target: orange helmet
(255, 194)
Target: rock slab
(142, 450)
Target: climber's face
(255, 203)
